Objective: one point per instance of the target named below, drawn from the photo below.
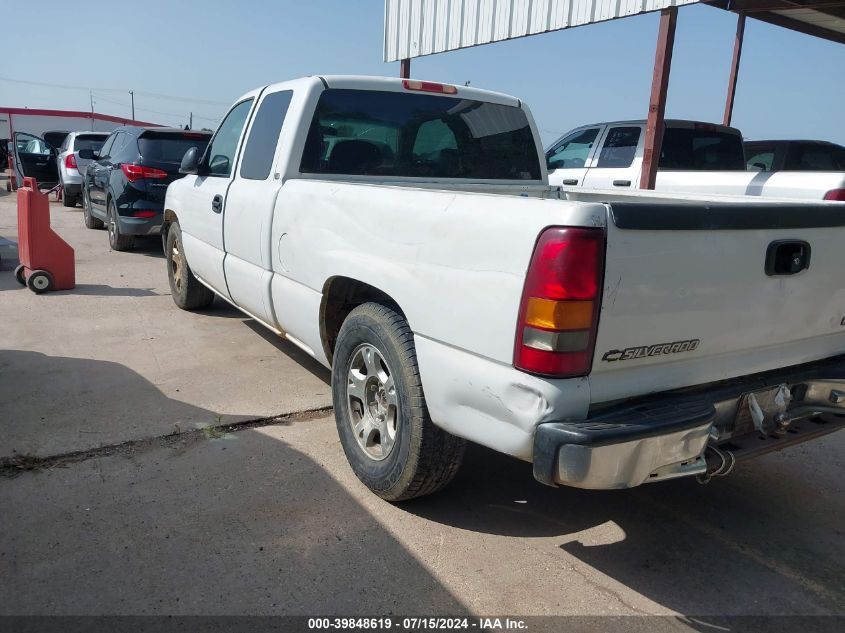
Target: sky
(200, 56)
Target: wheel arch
(341, 295)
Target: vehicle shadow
(694, 549)
(149, 246)
(102, 290)
(305, 361)
(223, 524)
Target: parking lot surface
(127, 509)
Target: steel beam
(729, 103)
(405, 68)
(659, 89)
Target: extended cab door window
(620, 147)
(220, 154)
(263, 137)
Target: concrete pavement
(270, 519)
(73, 358)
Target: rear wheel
(188, 293)
(20, 274)
(68, 200)
(387, 434)
(117, 241)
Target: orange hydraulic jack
(47, 261)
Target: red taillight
(137, 172)
(70, 161)
(144, 214)
(558, 315)
(429, 86)
(835, 194)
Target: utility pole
(190, 120)
(91, 97)
(132, 94)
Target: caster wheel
(20, 274)
(40, 281)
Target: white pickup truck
(695, 158)
(404, 234)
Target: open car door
(34, 158)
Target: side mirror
(88, 154)
(759, 166)
(190, 162)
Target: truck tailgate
(689, 297)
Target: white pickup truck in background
(695, 158)
(404, 234)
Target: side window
(810, 157)
(220, 154)
(121, 146)
(114, 150)
(619, 147)
(263, 136)
(760, 158)
(104, 151)
(573, 151)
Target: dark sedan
(125, 184)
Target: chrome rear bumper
(665, 436)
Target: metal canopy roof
(819, 18)
(413, 28)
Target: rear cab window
(815, 157)
(701, 148)
(170, 147)
(379, 133)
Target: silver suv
(72, 167)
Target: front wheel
(188, 293)
(386, 432)
(39, 281)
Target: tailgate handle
(787, 257)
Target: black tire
(20, 274)
(117, 241)
(39, 281)
(424, 458)
(68, 200)
(90, 221)
(188, 293)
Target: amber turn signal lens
(559, 315)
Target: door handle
(569, 181)
(217, 203)
(621, 183)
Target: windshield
(169, 147)
(367, 132)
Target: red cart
(47, 261)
